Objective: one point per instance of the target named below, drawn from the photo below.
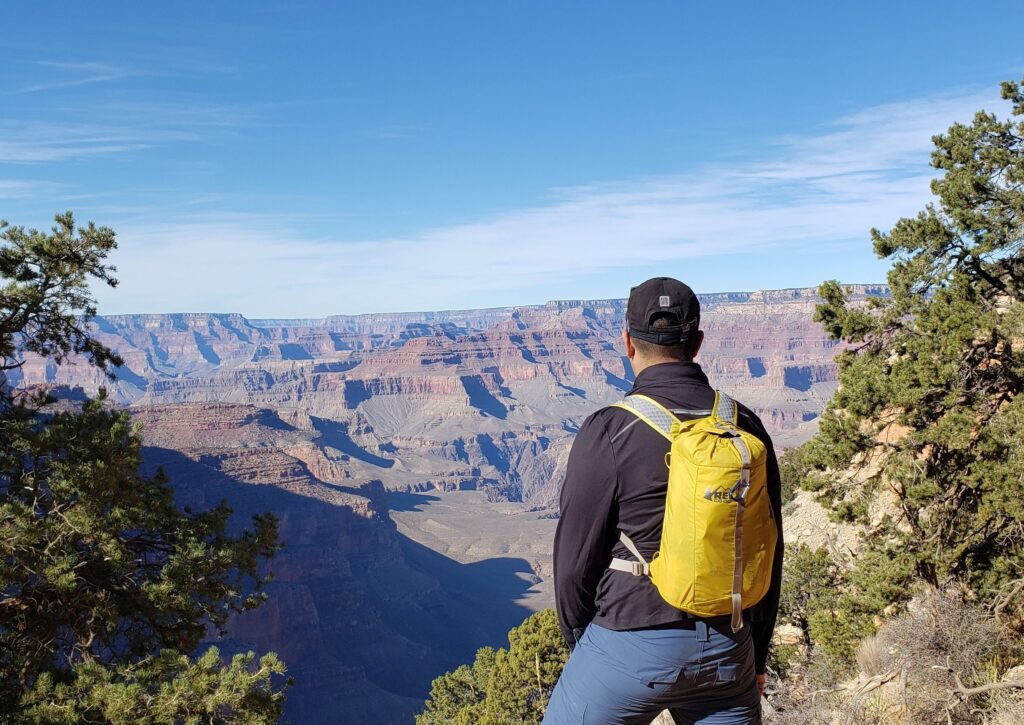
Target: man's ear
(697, 342)
(627, 342)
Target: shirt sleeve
(586, 527)
(763, 624)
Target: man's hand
(760, 684)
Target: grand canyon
(414, 460)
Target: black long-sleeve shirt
(615, 481)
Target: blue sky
(310, 158)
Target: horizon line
(452, 311)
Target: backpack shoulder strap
(725, 408)
(661, 419)
(650, 412)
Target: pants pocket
(727, 673)
(658, 677)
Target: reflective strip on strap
(680, 411)
(654, 414)
(726, 408)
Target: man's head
(662, 323)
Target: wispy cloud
(870, 167)
(114, 128)
(121, 117)
(58, 142)
(71, 75)
(17, 189)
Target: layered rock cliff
(363, 616)
(479, 398)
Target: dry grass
(940, 662)
(1007, 708)
(872, 655)
(941, 647)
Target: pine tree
(107, 588)
(503, 686)
(929, 408)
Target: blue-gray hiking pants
(704, 676)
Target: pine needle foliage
(107, 588)
(502, 686)
(928, 411)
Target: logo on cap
(664, 301)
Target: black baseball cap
(662, 297)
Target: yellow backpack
(718, 536)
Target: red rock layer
(408, 397)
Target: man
(634, 654)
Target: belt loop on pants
(702, 630)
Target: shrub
(794, 468)
(939, 642)
(504, 686)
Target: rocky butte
(355, 431)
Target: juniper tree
(107, 588)
(928, 406)
(503, 686)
